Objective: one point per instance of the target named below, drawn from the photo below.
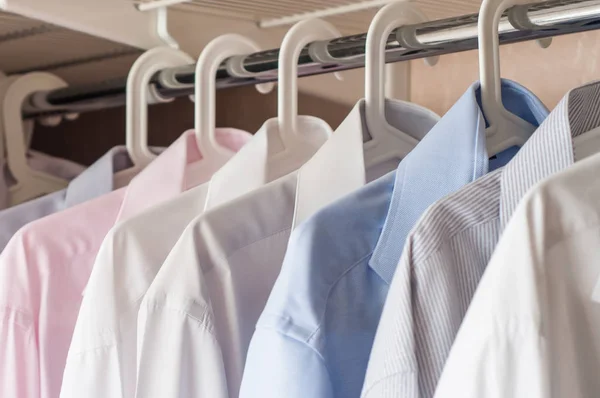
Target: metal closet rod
(520, 23)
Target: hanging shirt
(314, 337)
(38, 161)
(531, 330)
(197, 319)
(46, 265)
(95, 181)
(134, 251)
(448, 252)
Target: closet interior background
(28, 44)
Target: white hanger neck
(506, 129)
(387, 142)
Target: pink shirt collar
(173, 172)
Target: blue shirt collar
(450, 156)
(97, 180)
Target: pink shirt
(45, 267)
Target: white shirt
(197, 318)
(134, 250)
(532, 329)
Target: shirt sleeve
(178, 353)
(92, 374)
(279, 366)
(19, 355)
(505, 364)
(501, 349)
(95, 366)
(19, 364)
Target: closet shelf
(28, 45)
(349, 16)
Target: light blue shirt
(315, 334)
(93, 182)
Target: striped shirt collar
(496, 195)
(422, 178)
(550, 148)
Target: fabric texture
(200, 312)
(44, 270)
(315, 333)
(131, 256)
(530, 329)
(447, 253)
(95, 181)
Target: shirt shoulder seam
(304, 344)
(201, 322)
(384, 378)
(449, 238)
(7, 310)
(333, 285)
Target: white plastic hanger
(136, 108)
(28, 125)
(387, 141)
(505, 129)
(294, 41)
(29, 183)
(218, 50)
(235, 67)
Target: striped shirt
(447, 252)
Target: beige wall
(570, 61)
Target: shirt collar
(450, 156)
(338, 167)
(265, 159)
(550, 148)
(97, 179)
(174, 171)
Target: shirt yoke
(476, 203)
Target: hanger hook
(17, 92)
(505, 129)
(215, 52)
(137, 98)
(489, 58)
(385, 21)
(235, 67)
(407, 37)
(319, 51)
(294, 41)
(518, 16)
